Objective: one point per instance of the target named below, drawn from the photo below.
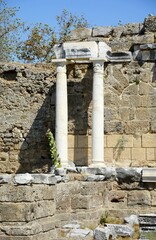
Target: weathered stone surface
(149, 140)
(121, 229)
(147, 55)
(16, 211)
(150, 24)
(120, 44)
(132, 29)
(103, 233)
(134, 127)
(85, 202)
(17, 237)
(22, 230)
(72, 226)
(5, 178)
(102, 31)
(63, 203)
(44, 178)
(139, 198)
(26, 194)
(80, 33)
(117, 196)
(143, 39)
(93, 172)
(23, 178)
(132, 220)
(128, 175)
(4, 156)
(96, 178)
(153, 126)
(78, 233)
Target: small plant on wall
(56, 161)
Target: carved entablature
(81, 50)
(85, 51)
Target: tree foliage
(38, 46)
(67, 22)
(9, 31)
(41, 38)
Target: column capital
(61, 65)
(59, 60)
(98, 64)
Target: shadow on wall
(34, 153)
(79, 111)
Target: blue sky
(97, 12)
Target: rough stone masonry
(27, 101)
(37, 206)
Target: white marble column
(61, 129)
(98, 113)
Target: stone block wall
(130, 97)
(27, 212)
(27, 105)
(27, 102)
(37, 206)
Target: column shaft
(61, 130)
(98, 114)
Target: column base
(97, 164)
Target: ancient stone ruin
(98, 97)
